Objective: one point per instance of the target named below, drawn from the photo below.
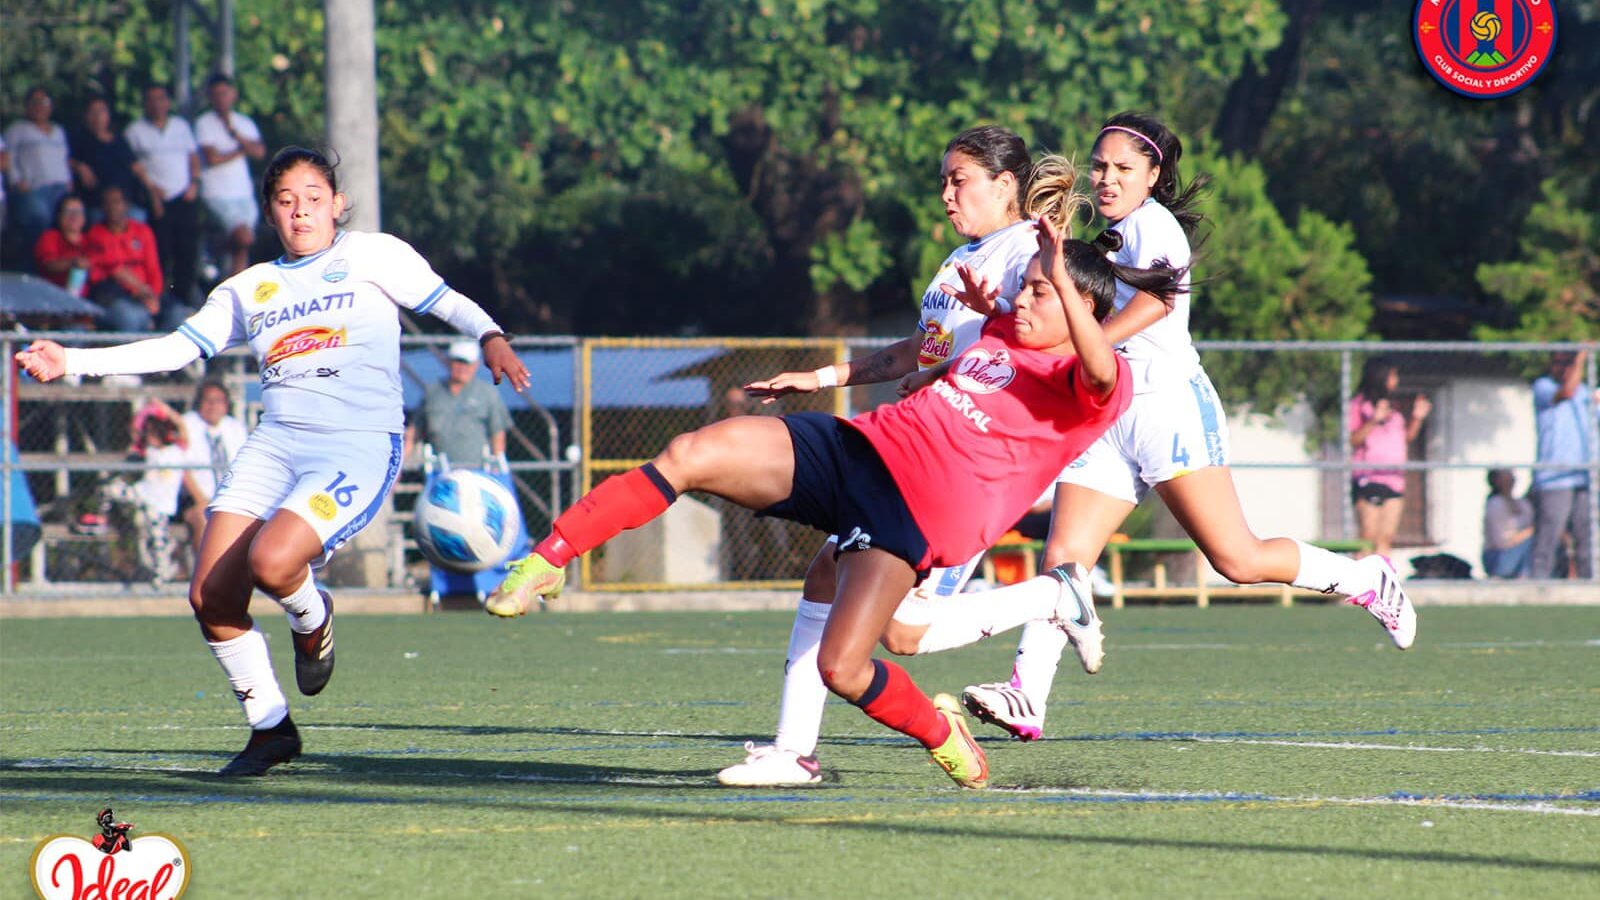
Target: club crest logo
(1484, 48)
(980, 373)
(337, 271)
(111, 864)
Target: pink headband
(1141, 137)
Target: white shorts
(1165, 434)
(334, 480)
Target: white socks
(970, 618)
(1326, 571)
(804, 694)
(304, 606)
(1038, 653)
(249, 669)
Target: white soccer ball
(466, 522)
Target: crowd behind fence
(603, 405)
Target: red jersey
(53, 245)
(972, 451)
(134, 246)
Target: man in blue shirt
(1565, 412)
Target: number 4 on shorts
(1180, 455)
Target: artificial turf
(1223, 752)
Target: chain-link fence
(76, 523)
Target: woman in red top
(125, 272)
(928, 481)
(62, 253)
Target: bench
(1020, 556)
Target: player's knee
(1237, 567)
(273, 566)
(846, 678)
(899, 640)
(684, 459)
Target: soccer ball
(466, 522)
(1485, 26)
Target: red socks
(617, 504)
(896, 701)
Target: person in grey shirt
(461, 415)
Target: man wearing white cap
(461, 415)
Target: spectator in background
(1507, 528)
(166, 147)
(39, 172)
(125, 275)
(5, 169)
(1379, 434)
(461, 416)
(160, 440)
(101, 158)
(226, 138)
(61, 255)
(215, 437)
(1565, 413)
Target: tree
(1553, 285)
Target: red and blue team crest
(1485, 48)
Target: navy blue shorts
(841, 486)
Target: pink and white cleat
(1387, 601)
(1004, 705)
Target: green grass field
(1222, 752)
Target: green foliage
(1553, 285)
(1261, 278)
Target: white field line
(1541, 807)
(1351, 745)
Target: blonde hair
(1050, 193)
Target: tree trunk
(1254, 95)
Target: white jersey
(948, 326)
(1162, 353)
(325, 329)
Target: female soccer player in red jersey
(925, 482)
(1173, 437)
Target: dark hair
(155, 85)
(55, 217)
(292, 156)
(1163, 149)
(1096, 277)
(27, 97)
(111, 188)
(160, 428)
(1375, 378)
(1493, 473)
(997, 150)
(207, 384)
(219, 78)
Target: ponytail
(1050, 195)
(1096, 277)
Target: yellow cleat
(532, 576)
(960, 756)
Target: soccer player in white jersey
(323, 321)
(1174, 437)
(985, 177)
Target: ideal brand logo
(981, 373)
(111, 867)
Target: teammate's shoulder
(1151, 218)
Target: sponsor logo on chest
(259, 322)
(936, 344)
(304, 342)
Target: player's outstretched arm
(887, 364)
(48, 360)
(975, 293)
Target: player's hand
(783, 383)
(503, 363)
(44, 360)
(1051, 241)
(916, 381)
(975, 292)
(1381, 411)
(1421, 408)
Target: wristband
(827, 377)
(491, 335)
